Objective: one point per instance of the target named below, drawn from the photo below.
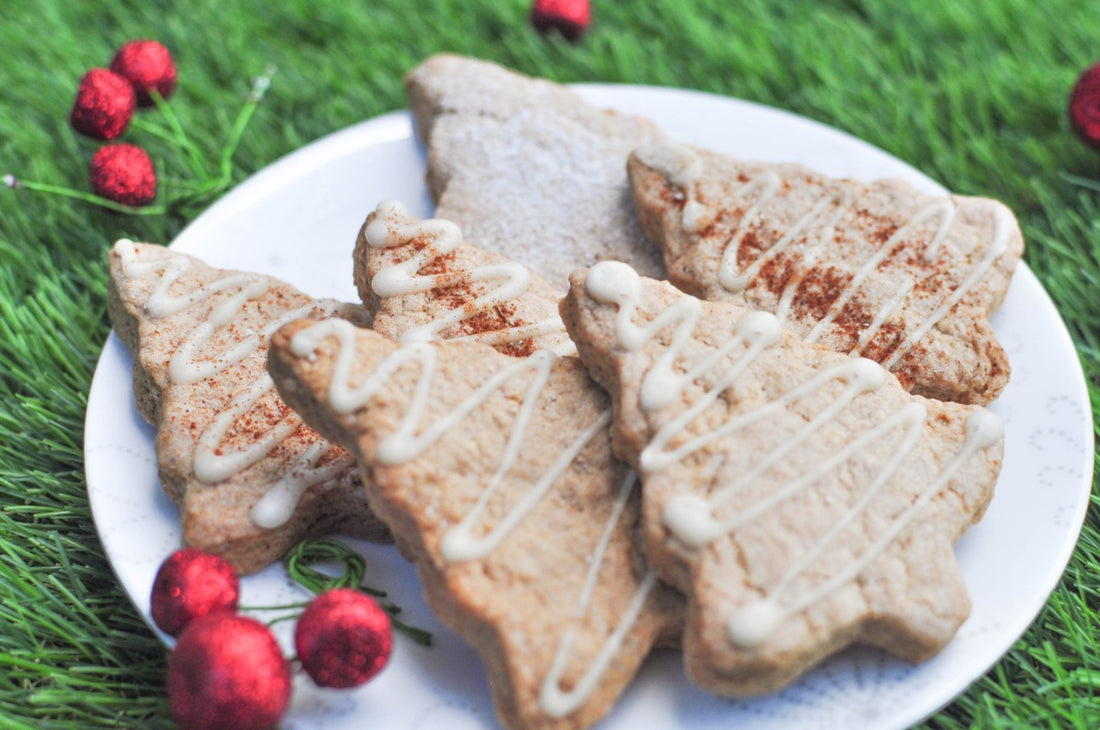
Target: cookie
(875, 269)
(527, 168)
(800, 498)
(422, 281)
(250, 479)
(495, 474)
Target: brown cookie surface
(876, 269)
(800, 498)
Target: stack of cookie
(761, 460)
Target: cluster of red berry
(106, 101)
(142, 74)
(227, 669)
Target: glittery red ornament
(1084, 106)
(104, 104)
(227, 672)
(569, 17)
(192, 583)
(343, 639)
(124, 173)
(147, 65)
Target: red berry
(343, 639)
(1084, 106)
(147, 65)
(124, 173)
(104, 104)
(227, 672)
(569, 17)
(192, 583)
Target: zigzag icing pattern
(680, 165)
(393, 226)
(691, 517)
(412, 438)
(191, 364)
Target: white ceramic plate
(298, 219)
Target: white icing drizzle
(828, 210)
(185, 368)
(943, 208)
(459, 543)
(691, 517)
(1003, 225)
(755, 622)
(393, 226)
(555, 701)
(409, 440)
(212, 463)
(682, 168)
(729, 276)
(162, 303)
(983, 429)
(884, 312)
(277, 505)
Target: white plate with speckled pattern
(298, 219)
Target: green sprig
(206, 184)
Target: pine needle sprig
(347, 569)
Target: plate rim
(398, 125)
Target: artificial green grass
(972, 93)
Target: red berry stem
(300, 561)
(417, 634)
(280, 607)
(210, 183)
(12, 182)
(295, 611)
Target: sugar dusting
(537, 174)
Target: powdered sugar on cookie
(527, 168)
